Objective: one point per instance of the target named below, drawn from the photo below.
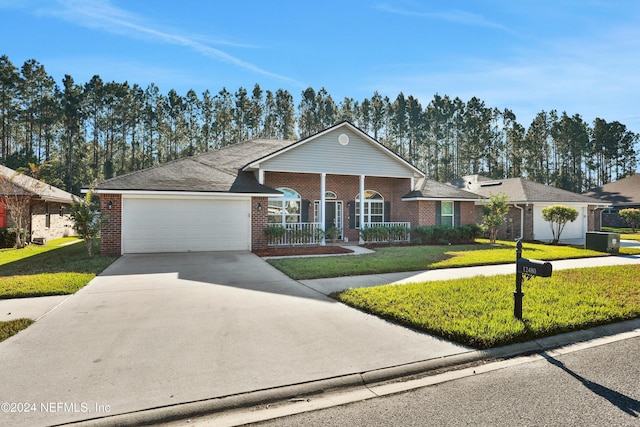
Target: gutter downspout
(521, 221)
(601, 212)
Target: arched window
(373, 207)
(283, 210)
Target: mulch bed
(303, 250)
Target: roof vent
(490, 184)
(343, 139)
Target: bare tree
(16, 190)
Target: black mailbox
(534, 267)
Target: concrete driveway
(157, 330)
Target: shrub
(558, 216)
(380, 233)
(493, 214)
(332, 234)
(274, 233)
(632, 217)
(7, 239)
(442, 234)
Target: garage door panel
(181, 225)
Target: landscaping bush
(7, 237)
(332, 234)
(274, 233)
(443, 235)
(374, 233)
(380, 233)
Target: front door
(333, 215)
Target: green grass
(52, 269)
(12, 327)
(478, 311)
(60, 267)
(416, 258)
(10, 255)
(625, 233)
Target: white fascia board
(440, 199)
(559, 202)
(185, 193)
(328, 173)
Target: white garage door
(573, 230)
(186, 224)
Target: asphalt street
(576, 386)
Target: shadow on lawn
(65, 259)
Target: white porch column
(321, 208)
(261, 176)
(361, 206)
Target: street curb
(363, 379)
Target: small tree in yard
(15, 196)
(632, 216)
(88, 220)
(493, 214)
(558, 216)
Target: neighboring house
(48, 207)
(225, 198)
(621, 194)
(527, 199)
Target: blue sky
(577, 56)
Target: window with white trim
(446, 213)
(373, 208)
(284, 210)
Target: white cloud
(102, 15)
(454, 15)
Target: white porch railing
(310, 233)
(386, 232)
(297, 234)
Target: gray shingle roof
(214, 171)
(622, 192)
(426, 188)
(520, 190)
(25, 185)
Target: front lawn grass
(478, 311)
(625, 233)
(52, 269)
(417, 258)
(12, 327)
(10, 255)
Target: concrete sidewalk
(336, 284)
(30, 308)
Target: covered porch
(317, 209)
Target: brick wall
(111, 233)
(346, 188)
(423, 212)
(468, 213)
(258, 223)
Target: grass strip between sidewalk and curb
(417, 258)
(478, 311)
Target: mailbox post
(530, 267)
(517, 295)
